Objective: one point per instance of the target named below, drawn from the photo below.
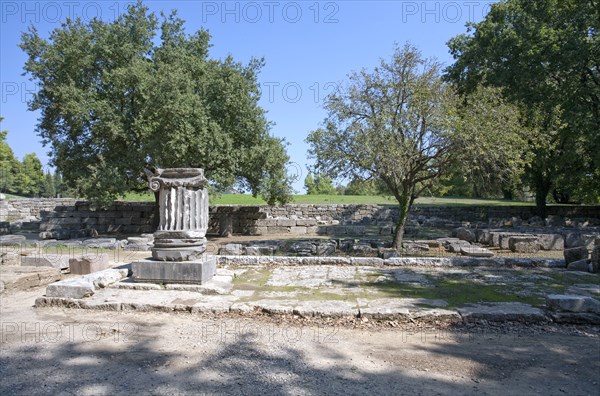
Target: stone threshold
(398, 309)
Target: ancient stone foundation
(69, 218)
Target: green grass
(246, 199)
(12, 197)
(456, 292)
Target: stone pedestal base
(198, 271)
(178, 254)
(178, 246)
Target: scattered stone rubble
(581, 250)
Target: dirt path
(65, 352)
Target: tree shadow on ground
(260, 359)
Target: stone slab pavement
(409, 294)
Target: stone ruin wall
(64, 218)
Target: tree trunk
(542, 188)
(404, 202)
(508, 194)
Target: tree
(30, 177)
(48, 187)
(115, 99)
(309, 184)
(319, 185)
(360, 187)
(9, 165)
(402, 126)
(393, 124)
(59, 187)
(496, 149)
(545, 55)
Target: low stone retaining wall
(80, 220)
(31, 209)
(393, 262)
(64, 218)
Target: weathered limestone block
(551, 241)
(46, 260)
(494, 238)
(504, 239)
(286, 223)
(456, 247)
(475, 251)
(523, 244)
(579, 265)
(10, 240)
(464, 234)
(231, 249)
(88, 264)
(306, 222)
(413, 247)
(573, 239)
(575, 254)
(595, 263)
(501, 312)
(252, 251)
(74, 288)
(198, 271)
(386, 253)
(573, 303)
(484, 237)
(107, 277)
(298, 230)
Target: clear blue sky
(309, 47)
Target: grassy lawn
(11, 196)
(246, 199)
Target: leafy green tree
(115, 98)
(30, 177)
(402, 126)
(391, 124)
(319, 185)
(496, 149)
(309, 184)
(59, 186)
(324, 185)
(9, 165)
(361, 187)
(545, 56)
(48, 187)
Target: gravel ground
(76, 352)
